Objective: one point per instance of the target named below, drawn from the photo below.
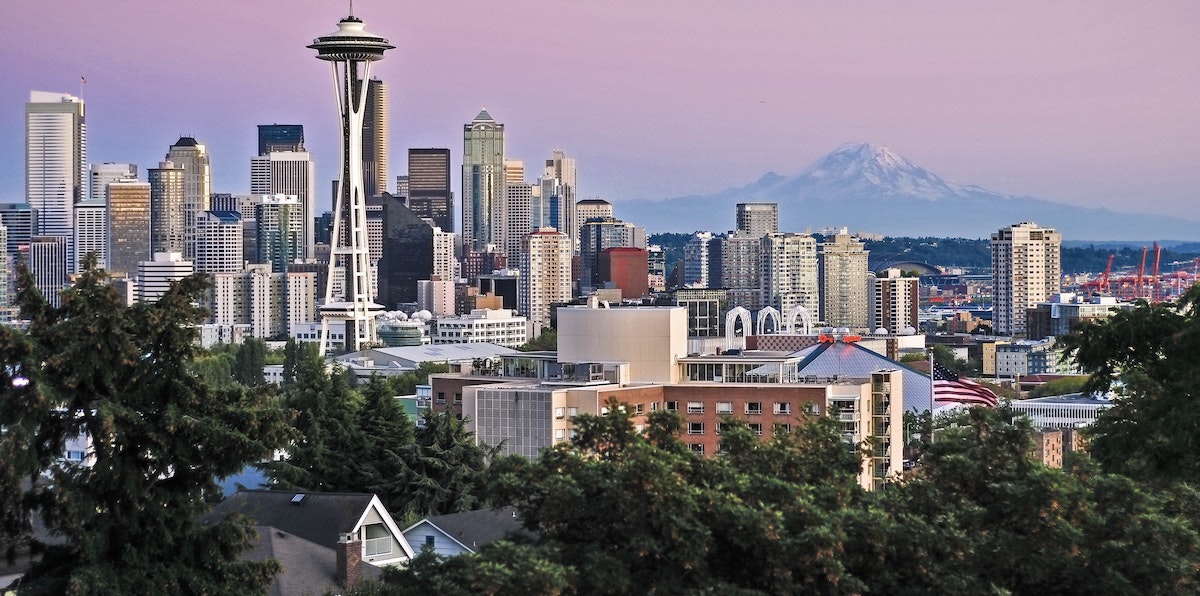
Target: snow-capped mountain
(864, 186)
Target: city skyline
(1081, 103)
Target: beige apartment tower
(1026, 270)
(844, 282)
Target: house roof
(852, 360)
(308, 568)
(432, 353)
(474, 529)
(317, 517)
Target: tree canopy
(160, 435)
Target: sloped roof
(484, 116)
(852, 360)
(317, 517)
(308, 568)
(474, 529)
(432, 353)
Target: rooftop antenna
(351, 7)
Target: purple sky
(1087, 102)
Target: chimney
(349, 560)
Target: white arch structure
(805, 320)
(766, 314)
(735, 314)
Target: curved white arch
(735, 314)
(766, 314)
(805, 320)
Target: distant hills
(867, 187)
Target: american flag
(947, 387)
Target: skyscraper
(167, 226)
(758, 219)
(483, 183)
(589, 208)
(892, 302)
(279, 230)
(1026, 270)
(55, 165)
(21, 221)
(789, 272)
(737, 267)
(429, 193)
(292, 173)
(91, 230)
(596, 236)
(280, 137)
(407, 251)
(219, 242)
(103, 173)
(697, 261)
(375, 139)
(555, 206)
(48, 264)
(350, 51)
(128, 225)
(518, 204)
(197, 186)
(545, 276)
(844, 282)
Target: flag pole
(931, 383)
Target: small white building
(502, 327)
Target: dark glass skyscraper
(429, 193)
(280, 137)
(407, 251)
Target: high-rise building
(483, 195)
(789, 272)
(518, 205)
(289, 173)
(625, 268)
(445, 264)
(55, 165)
(167, 224)
(545, 276)
(407, 251)
(128, 225)
(280, 137)
(892, 302)
(844, 282)
(5, 275)
(155, 276)
(103, 173)
(595, 237)
(47, 258)
(192, 156)
(591, 208)
(656, 267)
(737, 267)
(91, 230)
(375, 139)
(219, 242)
(280, 226)
(758, 219)
(429, 194)
(556, 206)
(697, 261)
(350, 50)
(1026, 270)
(21, 221)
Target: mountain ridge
(869, 187)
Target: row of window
(441, 398)
(698, 428)
(750, 408)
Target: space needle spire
(350, 51)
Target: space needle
(350, 51)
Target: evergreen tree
(159, 434)
(445, 468)
(249, 362)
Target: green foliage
(406, 383)
(1148, 355)
(445, 468)
(161, 435)
(1063, 386)
(547, 340)
(249, 361)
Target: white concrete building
(219, 242)
(155, 277)
(290, 173)
(91, 229)
(1026, 270)
(502, 327)
(789, 272)
(650, 339)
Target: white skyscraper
(556, 202)
(892, 302)
(445, 265)
(697, 262)
(789, 272)
(91, 229)
(1026, 270)
(56, 165)
(519, 200)
(844, 282)
(219, 242)
(289, 173)
(545, 276)
(197, 186)
(103, 173)
(156, 276)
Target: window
(697, 448)
(429, 541)
(560, 412)
(755, 428)
(379, 542)
(639, 409)
(672, 405)
(783, 429)
(695, 428)
(695, 407)
(457, 399)
(722, 427)
(782, 407)
(812, 408)
(754, 407)
(724, 407)
(560, 434)
(653, 406)
(572, 412)
(441, 397)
